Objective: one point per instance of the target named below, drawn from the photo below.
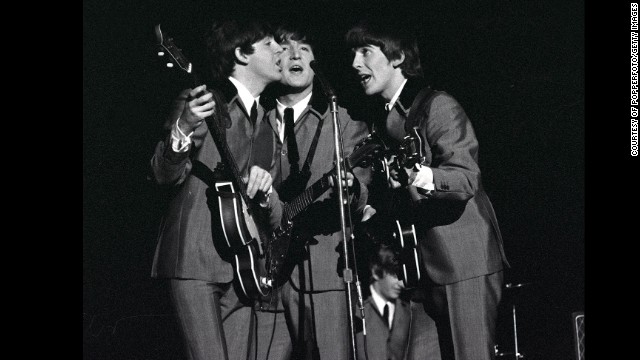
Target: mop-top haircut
(392, 39)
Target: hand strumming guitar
(259, 180)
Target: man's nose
(295, 54)
(357, 62)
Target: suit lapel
(269, 104)
(376, 310)
(398, 314)
(272, 119)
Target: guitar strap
(421, 105)
(297, 180)
(422, 102)
(418, 115)
(262, 150)
(312, 150)
(200, 170)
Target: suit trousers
(456, 321)
(213, 321)
(318, 324)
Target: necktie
(289, 135)
(385, 315)
(253, 116)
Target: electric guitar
(237, 219)
(363, 155)
(394, 222)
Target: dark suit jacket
(470, 244)
(185, 244)
(384, 343)
(321, 221)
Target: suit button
(284, 152)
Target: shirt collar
(379, 301)
(388, 106)
(298, 108)
(244, 94)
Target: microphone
(328, 91)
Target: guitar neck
(300, 202)
(225, 153)
(228, 160)
(166, 44)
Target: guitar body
(393, 223)
(399, 235)
(409, 255)
(251, 272)
(242, 236)
(281, 260)
(287, 246)
(237, 224)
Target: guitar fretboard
(219, 137)
(297, 205)
(300, 202)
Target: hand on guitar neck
(198, 106)
(348, 178)
(399, 176)
(402, 165)
(362, 155)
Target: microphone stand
(347, 273)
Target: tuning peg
(160, 53)
(169, 65)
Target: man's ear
(375, 276)
(397, 62)
(241, 57)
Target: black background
(517, 67)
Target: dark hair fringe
(288, 31)
(384, 260)
(392, 41)
(225, 36)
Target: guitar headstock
(166, 45)
(411, 150)
(407, 153)
(365, 152)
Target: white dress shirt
(380, 303)
(298, 108)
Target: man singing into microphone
(314, 295)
